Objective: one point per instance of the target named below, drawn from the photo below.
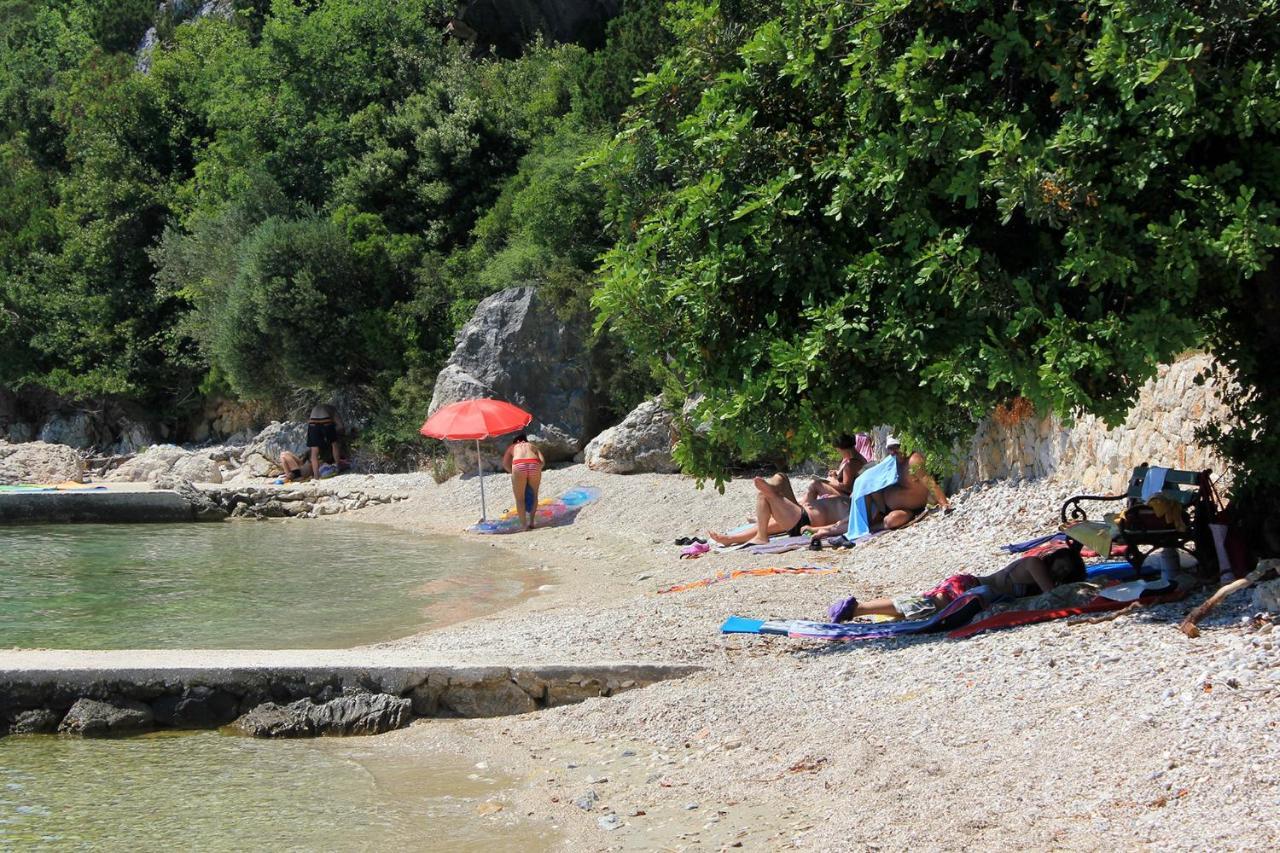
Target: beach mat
(1014, 618)
(954, 615)
(743, 573)
(28, 488)
(554, 512)
(779, 545)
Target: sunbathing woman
(839, 482)
(778, 511)
(524, 461)
(1024, 576)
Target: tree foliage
(831, 215)
(300, 196)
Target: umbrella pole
(480, 468)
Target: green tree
(831, 215)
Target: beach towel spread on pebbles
(744, 573)
(956, 617)
(556, 512)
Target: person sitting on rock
(324, 456)
(778, 512)
(1022, 577)
(839, 481)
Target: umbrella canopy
(476, 419)
(479, 418)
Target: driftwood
(1264, 569)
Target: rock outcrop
(74, 429)
(1160, 429)
(38, 462)
(95, 718)
(640, 444)
(168, 459)
(355, 713)
(262, 456)
(516, 348)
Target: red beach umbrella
(476, 419)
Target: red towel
(1013, 618)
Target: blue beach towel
(882, 475)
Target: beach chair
(1143, 531)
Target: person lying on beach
(898, 505)
(839, 481)
(778, 512)
(1024, 576)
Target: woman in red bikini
(524, 461)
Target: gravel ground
(1119, 734)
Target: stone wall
(1160, 429)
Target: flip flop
(697, 549)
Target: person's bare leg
(876, 607)
(777, 484)
(290, 463)
(518, 481)
(773, 516)
(820, 488)
(535, 480)
(897, 518)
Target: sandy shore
(1121, 734)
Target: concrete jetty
(109, 506)
(50, 682)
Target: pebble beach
(1115, 734)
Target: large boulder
(161, 460)
(640, 444)
(37, 462)
(132, 436)
(516, 348)
(262, 456)
(356, 713)
(74, 429)
(94, 718)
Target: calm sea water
(237, 585)
(206, 791)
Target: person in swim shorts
(524, 461)
(323, 455)
(778, 512)
(1022, 577)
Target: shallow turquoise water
(206, 791)
(237, 585)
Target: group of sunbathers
(824, 512)
(824, 509)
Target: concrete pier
(110, 506)
(237, 681)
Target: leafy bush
(831, 215)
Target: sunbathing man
(896, 506)
(1024, 576)
(778, 511)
